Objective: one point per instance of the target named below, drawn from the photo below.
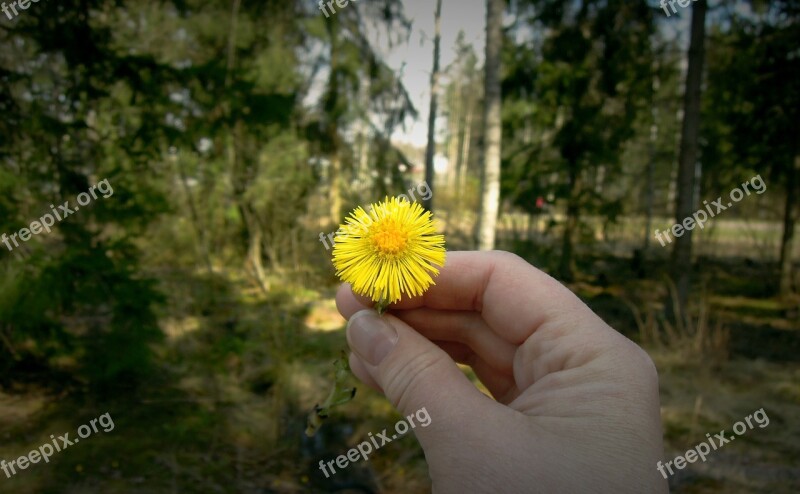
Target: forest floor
(239, 370)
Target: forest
(173, 174)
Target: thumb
(413, 372)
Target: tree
(686, 201)
(431, 147)
(493, 134)
(77, 294)
(751, 126)
(358, 85)
(576, 83)
(462, 96)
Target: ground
(239, 370)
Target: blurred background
(195, 304)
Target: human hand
(577, 406)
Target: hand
(575, 406)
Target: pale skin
(575, 408)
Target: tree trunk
(431, 148)
(651, 167)
(335, 193)
(255, 235)
(490, 183)
(566, 268)
(463, 155)
(455, 123)
(239, 175)
(202, 239)
(685, 203)
(787, 241)
(332, 110)
(361, 174)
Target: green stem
(338, 396)
(381, 305)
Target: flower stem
(338, 396)
(381, 305)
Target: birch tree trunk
(462, 163)
(333, 145)
(361, 174)
(455, 122)
(490, 183)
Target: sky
(469, 16)
(417, 54)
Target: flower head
(390, 251)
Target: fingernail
(370, 336)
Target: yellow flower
(389, 252)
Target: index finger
(512, 296)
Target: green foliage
(572, 97)
(753, 102)
(85, 309)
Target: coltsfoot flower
(389, 252)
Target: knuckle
(642, 364)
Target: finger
(464, 327)
(459, 352)
(501, 385)
(490, 357)
(357, 366)
(471, 340)
(512, 296)
(412, 371)
(349, 303)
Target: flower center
(389, 240)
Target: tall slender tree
(493, 133)
(686, 201)
(462, 98)
(430, 149)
